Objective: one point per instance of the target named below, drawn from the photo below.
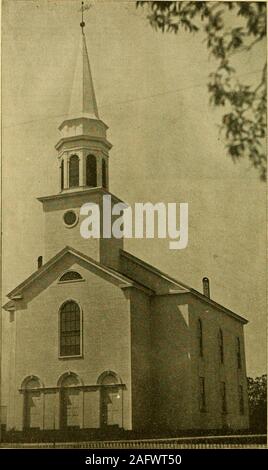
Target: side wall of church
(171, 363)
(178, 367)
(214, 372)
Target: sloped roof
(123, 281)
(182, 287)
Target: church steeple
(83, 100)
(83, 148)
(83, 155)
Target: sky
(151, 91)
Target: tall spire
(83, 100)
(83, 149)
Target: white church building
(99, 338)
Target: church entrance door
(33, 403)
(70, 401)
(111, 399)
(70, 408)
(111, 406)
(33, 407)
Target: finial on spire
(82, 9)
(82, 24)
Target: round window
(70, 218)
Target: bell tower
(83, 150)
(83, 156)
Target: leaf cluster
(244, 125)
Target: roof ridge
(68, 249)
(190, 289)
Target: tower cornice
(84, 192)
(84, 117)
(84, 138)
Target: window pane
(70, 329)
(223, 398)
(70, 276)
(104, 177)
(238, 353)
(241, 399)
(70, 218)
(91, 172)
(200, 337)
(62, 174)
(221, 347)
(74, 171)
(202, 396)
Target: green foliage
(257, 396)
(244, 123)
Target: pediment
(61, 263)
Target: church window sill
(77, 356)
(71, 280)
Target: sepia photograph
(133, 214)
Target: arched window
(91, 172)
(70, 401)
(70, 276)
(104, 174)
(238, 353)
(200, 337)
(70, 329)
(30, 383)
(62, 174)
(39, 262)
(108, 378)
(33, 405)
(74, 171)
(221, 346)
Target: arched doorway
(33, 403)
(111, 400)
(70, 401)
